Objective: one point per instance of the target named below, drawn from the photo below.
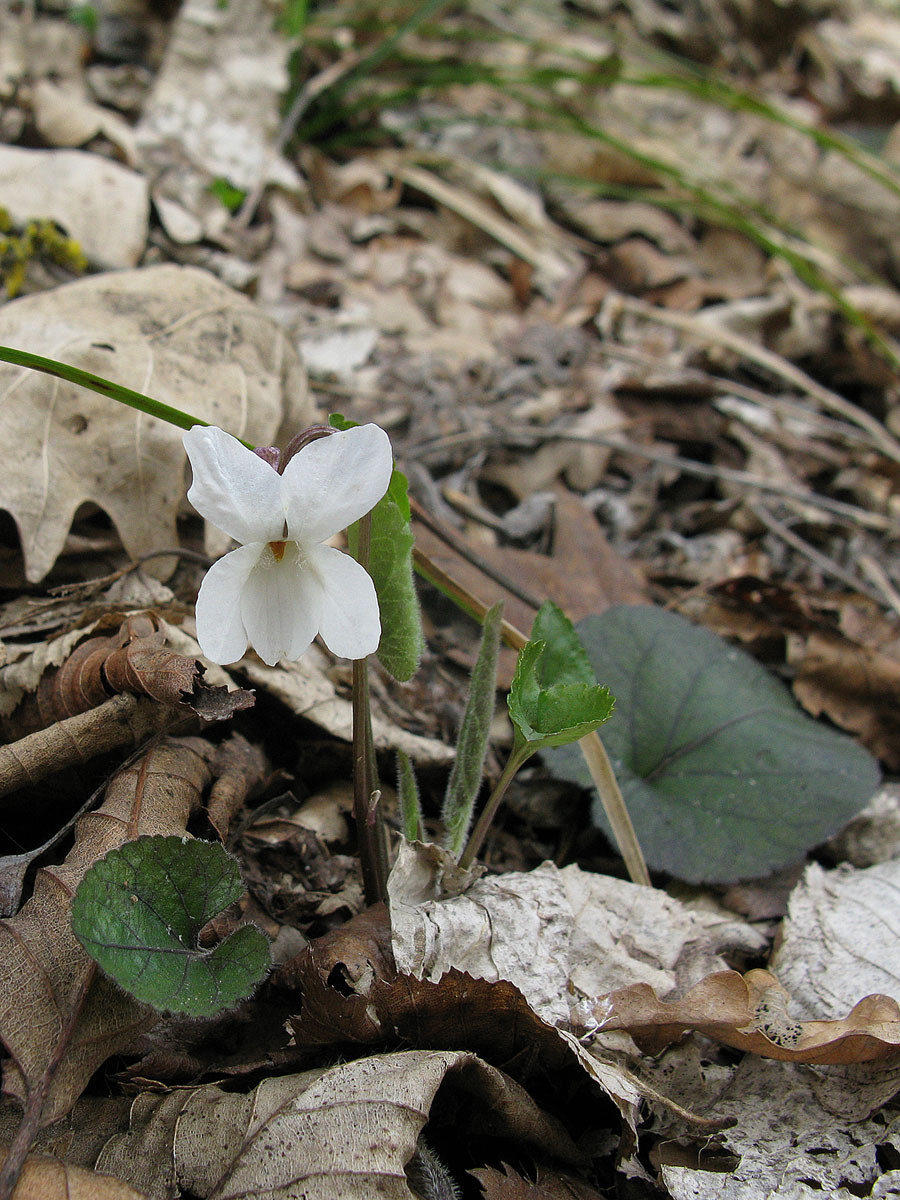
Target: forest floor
(622, 283)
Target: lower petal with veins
(281, 605)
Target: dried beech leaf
(856, 686)
(45, 1178)
(46, 971)
(784, 1142)
(350, 992)
(839, 937)
(752, 1012)
(345, 1133)
(175, 333)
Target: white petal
(350, 625)
(233, 488)
(281, 605)
(220, 629)
(334, 481)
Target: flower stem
(366, 795)
(516, 759)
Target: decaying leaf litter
(631, 333)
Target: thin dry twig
(882, 581)
(850, 513)
(696, 327)
(123, 720)
(825, 564)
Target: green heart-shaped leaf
(138, 912)
(724, 776)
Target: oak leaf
(174, 333)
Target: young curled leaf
(555, 698)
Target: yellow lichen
(40, 238)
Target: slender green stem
(106, 387)
(366, 796)
(516, 759)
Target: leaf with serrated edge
(139, 911)
(554, 698)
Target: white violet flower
(282, 586)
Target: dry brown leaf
(583, 575)
(133, 658)
(175, 333)
(347, 990)
(59, 1019)
(856, 686)
(345, 1133)
(751, 1012)
(507, 1184)
(45, 1178)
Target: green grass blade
(105, 387)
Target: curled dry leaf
(60, 1020)
(752, 1012)
(550, 931)
(170, 332)
(45, 1178)
(345, 1133)
(856, 686)
(134, 658)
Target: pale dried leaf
(344, 1133)
(306, 688)
(70, 187)
(789, 1145)
(547, 929)
(838, 942)
(65, 117)
(219, 122)
(171, 332)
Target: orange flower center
(277, 549)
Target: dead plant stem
(705, 331)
